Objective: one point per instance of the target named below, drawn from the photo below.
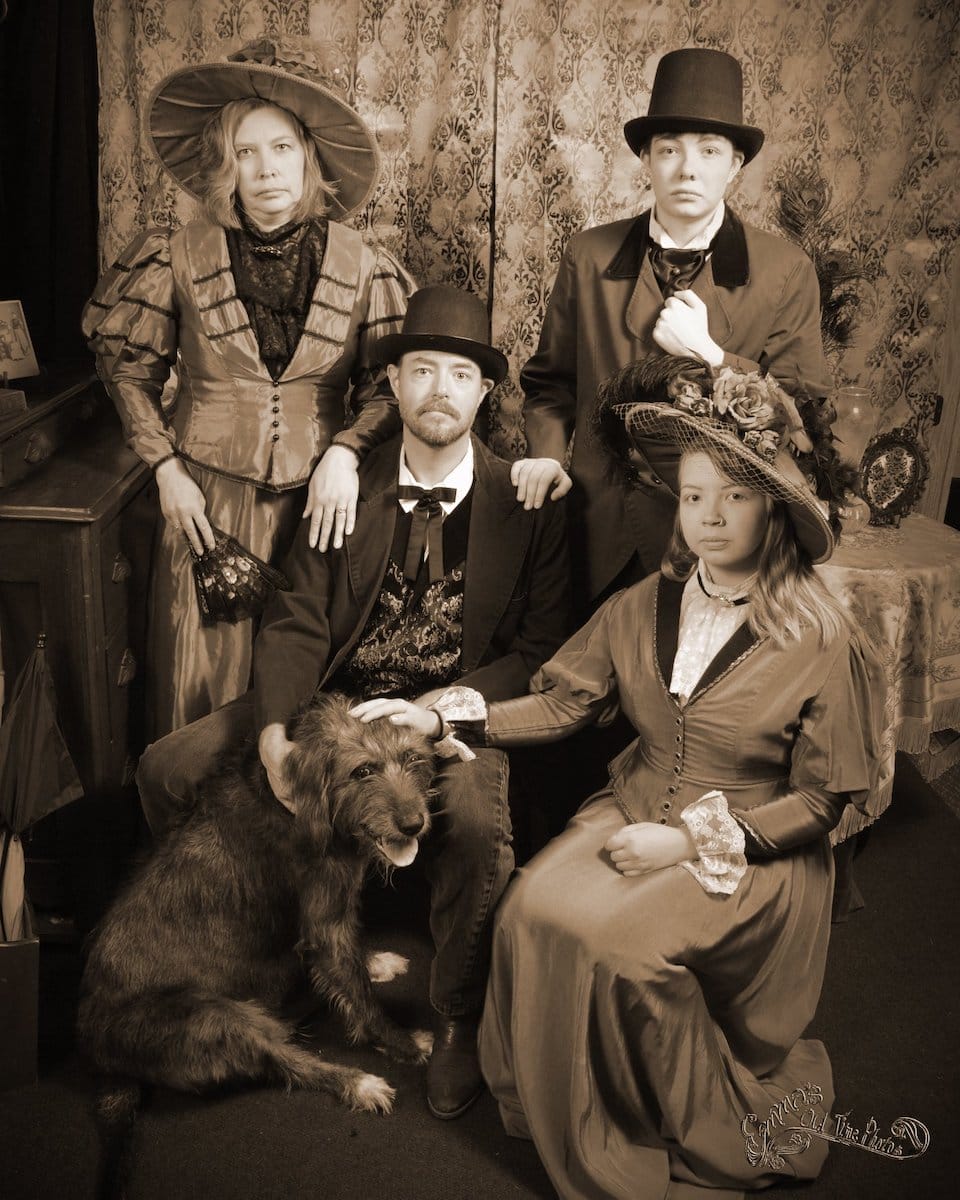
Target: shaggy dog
(185, 979)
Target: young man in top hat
(688, 276)
(446, 579)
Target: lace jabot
(276, 274)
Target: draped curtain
(501, 125)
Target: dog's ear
(309, 772)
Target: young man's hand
(532, 477)
(399, 712)
(682, 329)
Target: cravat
(426, 528)
(676, 269)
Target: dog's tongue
(400, 851)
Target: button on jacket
(171, 300)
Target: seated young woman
(656, 965)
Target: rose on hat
(654, 410)
(445, 319)
(300, 78)
(696, 90)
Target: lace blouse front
(707, 622)
(276, 274)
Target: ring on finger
(341, 509)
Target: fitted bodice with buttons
(763, 721)
(172, 299)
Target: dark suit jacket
(516, 608)
(763, 305)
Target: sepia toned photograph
(479, 599)
(17, 359)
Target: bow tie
(676, 269)
(426, 528)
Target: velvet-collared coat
(763, 308)
(516, 605)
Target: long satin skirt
(194, 669)
(633, 1025)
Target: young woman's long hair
(788, 597)
(221, 169)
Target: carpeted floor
(889, 1015)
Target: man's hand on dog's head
(274, 746)
(406, 713)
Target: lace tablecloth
(903, 587)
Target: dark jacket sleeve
(793, 353)
(549, 379)
(546, 614)
(293, 646)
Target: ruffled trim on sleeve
(463, 722)
(390, 289)
(133, 307)
(720, 843)
(130, 323)
(838, 748)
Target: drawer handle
(38, 449)
(122, 569)
(128, 668)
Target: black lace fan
(232, 583)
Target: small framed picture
(17, 359)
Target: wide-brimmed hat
(663, 405)
(281, 73)
(446, 319)
(696, 91)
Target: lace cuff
(463, 722)
(720, 843)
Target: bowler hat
(696, 91)
(446, 319)
(301, 78)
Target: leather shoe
(453, 1072)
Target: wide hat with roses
(654, 410)
(306, 79)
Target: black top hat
(449, 320)
(696, 91)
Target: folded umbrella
(37, 775)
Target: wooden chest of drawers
(75, 547)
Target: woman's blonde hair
(221, 170)
(788, 597)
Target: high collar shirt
(706, 624)
(460, 479)
(701, 242)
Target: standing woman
(655, 967)
(267, 307)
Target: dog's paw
(423, 1040)
(382, 966)
(370, 1093)
(405, 1045)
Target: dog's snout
(412, 826)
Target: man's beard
(434, 435)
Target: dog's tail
(117, 1105)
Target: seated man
(446, 579)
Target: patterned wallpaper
(501, 130)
